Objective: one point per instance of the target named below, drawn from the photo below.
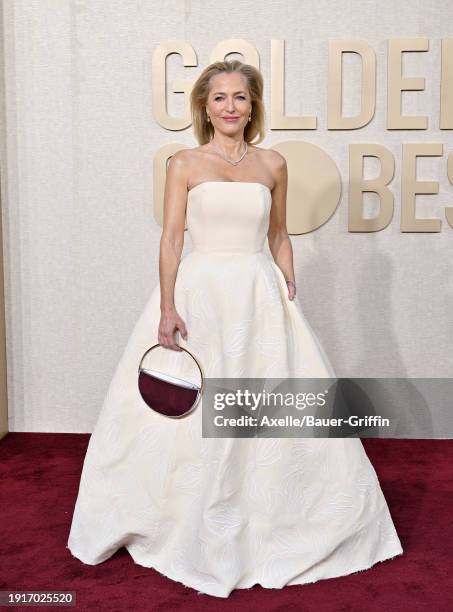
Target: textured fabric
(225, 513)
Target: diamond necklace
(230, 161)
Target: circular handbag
(166, 394)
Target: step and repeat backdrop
(359, 100)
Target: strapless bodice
(228, 216)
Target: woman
(218, 514)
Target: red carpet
(39, 477)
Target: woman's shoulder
(195, 150)
(273, 160)
(186, 159)
(270, 154)
(188, 155)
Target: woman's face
(229, 103)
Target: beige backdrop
(80, 241)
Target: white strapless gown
(218, 514)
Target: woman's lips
(230, 119)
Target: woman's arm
(279, 242)
(171, 245)
(172, 238)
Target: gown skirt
(218, 514)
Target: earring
(208, 117)
(250, 117)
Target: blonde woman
(218, 514)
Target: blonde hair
(203, 128)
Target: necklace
(230, 161)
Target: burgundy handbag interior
(165, 397)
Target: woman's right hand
(169, 322)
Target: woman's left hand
(291, 289)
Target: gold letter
(236, 45)
(446, 86)
(410, 186)
(335, 119)
(314, 188)
(396, 83)
(158, 89)
(358, 185)
(279, 121)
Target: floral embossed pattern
(223, 514)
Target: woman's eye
(217, 98)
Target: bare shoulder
(180, 159)
(276, 160)
(270, 156)
(180, 166)
(273, 161)
(184, 159)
